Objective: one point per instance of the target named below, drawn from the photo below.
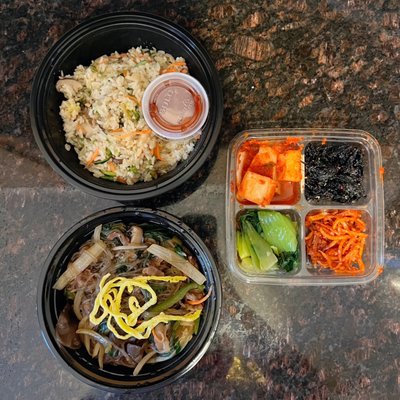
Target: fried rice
(103, 118)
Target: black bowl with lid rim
(102, 36)
(51, 302)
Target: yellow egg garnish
(109, 300)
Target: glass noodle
(134, 296)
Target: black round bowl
(104, 35)
(52, 302)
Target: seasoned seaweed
(334, 172)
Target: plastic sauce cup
(175, 106)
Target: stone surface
(282, 64)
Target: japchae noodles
(134, 296)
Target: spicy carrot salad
(336, 240)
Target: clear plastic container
(371, 207)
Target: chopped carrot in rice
(133, 133)
(157, 152)
(112, 167)
(133, 98)
(92, 158)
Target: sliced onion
(136, 235)
(97, 232)
(83, 323)
(142, 362)
(130, 247)
(77, 303)
(86, 342)
(89, 332)
(160, 337)
(178, 262)
(96, 349)
(101, 357)
(162, 358)
(108, 254)
(89, 256)
(102, 340)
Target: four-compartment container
(370, 205)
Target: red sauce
(175, 106)
(289, 193)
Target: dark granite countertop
(285, 63)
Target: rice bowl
(103, 119)
(104, 35)
(118, 377)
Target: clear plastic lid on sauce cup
(175, 106)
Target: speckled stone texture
(282, 63)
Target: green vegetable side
(266, 241)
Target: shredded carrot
(120, 179)
(179, 63)
(330, 237)
(133, 133)
(157, 152)
(125, 136)
(111, 166)
(117, 130)
(342, 221)
(143, 132)
(79, 128)
(165, 71)
(133, 98)
(202, 300)
(174, 67)
(336, 240)
(380, 269)
(324, 140)
(91, 159)
(327, 258)
(113, 56)
(309, 236)
(316, 217)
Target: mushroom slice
(69, 87)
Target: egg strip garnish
(124, 326)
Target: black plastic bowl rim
(114, 190)
(48, 300)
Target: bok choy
(266, 241)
